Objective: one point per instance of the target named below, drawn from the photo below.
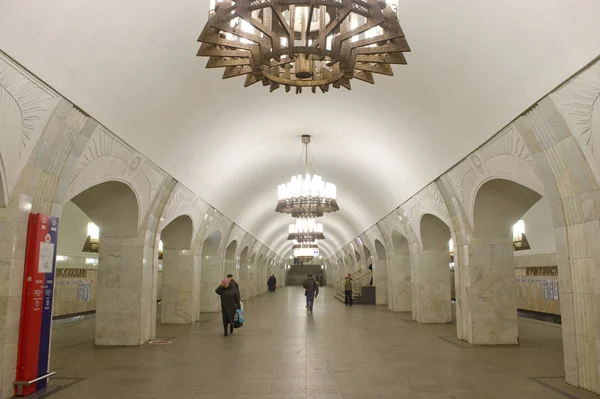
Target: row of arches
(411, 273)
(192, 266)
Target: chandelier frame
(328, 55)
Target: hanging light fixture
(305, 230)
(307, 196)
(299, 43)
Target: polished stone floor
(335, 353)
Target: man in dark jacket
(312, 290)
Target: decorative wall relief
(505, 157)
(26, 106)
(579, 101)
(477, 164)
(183, 201)
(108, 158)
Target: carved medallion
(134, 165)
(477, 164)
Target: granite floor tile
(363, 352)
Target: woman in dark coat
(230, 302)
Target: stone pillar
(212, 274)
(179, 289)
(252, 278)
(432, 287)
(36, 182)
(13, 238)
(380, 281)
(559, 131)
(124, 290)
(244, 281)
(400, 286)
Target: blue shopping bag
(238, 320)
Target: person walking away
(311, 291)
(235, 284)
(230, 303)
(348, 290)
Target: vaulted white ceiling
(131, 64)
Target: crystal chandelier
(305, 230)
(307, 196)
(300, 43)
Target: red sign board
(36, 306)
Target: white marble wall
(179, 289)
(431, 287)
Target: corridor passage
(361, 352)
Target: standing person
(230, 303)
(311, 291)
(234, 283)
(271, 284)
(348, 290)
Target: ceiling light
(303, 44)
(307, 196)
(305, 230)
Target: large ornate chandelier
(307, 196)
(305, 230)
(303, 43)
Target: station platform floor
(337, 352)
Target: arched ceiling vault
(474, 66)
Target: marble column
(124, 291)
(431, 287)
(252, 280)
(400, 283)
(244, 281)
(560, 131)
(212, 274)
(179, 289)
(380, 281)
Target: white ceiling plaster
(131, 64)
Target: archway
(380, 279)
(491, 297)
(230, 262)
(180, 273)
(244, 281)
(211, 272)
(400, 273)
(124, 284)
(431, 278)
